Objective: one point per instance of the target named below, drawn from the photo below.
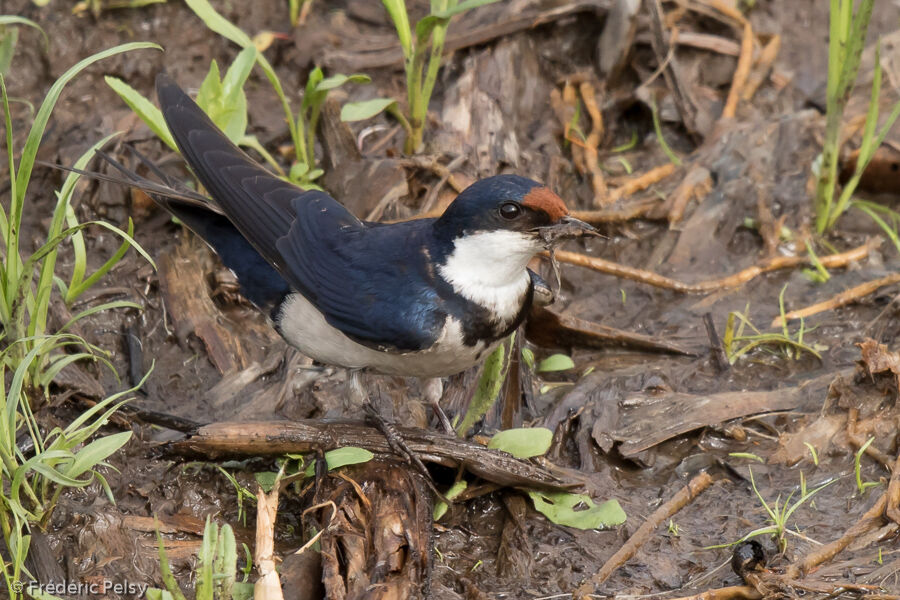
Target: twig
(842, 299)
(745, 61)
(275, 438)
(733, 592)
(591, 160)
(619, 213)
(697, 183)
(763, 65)
(872, 519)
(712, 285)
(642, 181)
(685, 495)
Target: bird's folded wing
(317, 245)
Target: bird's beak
(565, 228)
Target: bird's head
(496, 225)
(516, 209)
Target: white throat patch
(489, 268)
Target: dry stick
(591, 160)
(734, 592)
(712, 285)
(869, 521)
(685, 495)
(763, 65)
(745, 61)
(844, 298)
(642, 181)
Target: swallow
(425, 298)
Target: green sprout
(862, 486)
(423, 49)
(27, 282)
(302, 125)
(778, 515)
(215, 576)
(737, 344)
(847, 35)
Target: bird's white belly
(304, 327)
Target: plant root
(713, 285)
(842, 299)
(681, 499)
(642, 181)
(733, 592)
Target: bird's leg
(393, 437)
(433, 392)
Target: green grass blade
(16, 20)
(222, 26)
(397, 11)
(26, 162)
(38, 316)
(144, 109)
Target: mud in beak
(565, 228)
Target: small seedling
(657, 128)
(423, 48)
(28, 282)
(301, 126)
(847, 36)
(818, 274)
(778, 515)
(215, 576)
(862, 486)
(673, 529)
(791, 345)
(813, 453)
(747, 455)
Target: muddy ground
(638, 425)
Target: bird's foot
(399, 447)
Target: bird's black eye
(510, 210)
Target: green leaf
(218, 23)
(524, 442)
(7, 49)
(144, 109)
(16, 20)
(455, 490)
(577, 510)
(242, 591)
(96, 452)
(366, 109)
(26, 162)
(528, 358)
(397, 11)
(266, 480)
(341, 457)
(493, 373)
(556, 362)
(336, 81)
(461, 8)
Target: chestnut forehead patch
(541, 198)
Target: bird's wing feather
(318, 246)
